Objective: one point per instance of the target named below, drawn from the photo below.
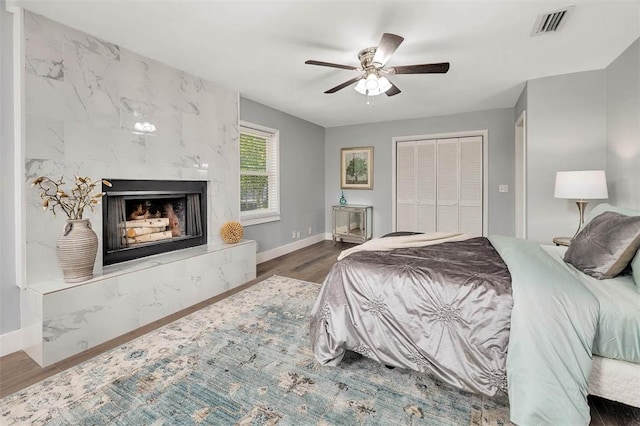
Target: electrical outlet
(503, 188)
(297, 234)
(293, 235)
(310, 231)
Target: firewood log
(156, 236)
(143, 230)
(153, 222)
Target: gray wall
(9, 292)
(566, 119)
(301, 176)
(623, 128)
(499, 123)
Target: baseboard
(288, 248)
(11, 342)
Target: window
(259, 174)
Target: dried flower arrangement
(72, 203)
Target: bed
(486, 315)
(615, 372)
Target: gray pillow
(635, 269)
(606, 245)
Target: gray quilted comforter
(443, 309)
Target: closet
(439, 185)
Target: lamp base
(581, 206)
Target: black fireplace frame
(141, 188)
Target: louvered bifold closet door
(426, 186)
(447, 185)
(405, 186)
(470, 167)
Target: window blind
(259, 174)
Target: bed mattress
(618, 333)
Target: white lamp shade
(581, 185)
(371, 82)
(361, 87)
(383, 84)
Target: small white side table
(352, 223)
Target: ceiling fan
(373, 80)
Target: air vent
(551, 22)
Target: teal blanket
(618, 334)
(553, 325)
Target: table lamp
(581, 186)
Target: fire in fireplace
(146, 217)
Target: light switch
(503, 188)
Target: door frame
(485, 169)
(520, 179)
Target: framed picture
(356, 168)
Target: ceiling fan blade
(439, 68)
(343, 85)
(388, 44)
(329, 64)
(393, 90)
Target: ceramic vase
(76, 249)
(343, 201)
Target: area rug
(245, 360)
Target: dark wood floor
(17, 370)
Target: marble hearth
(66, 320)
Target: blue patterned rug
(245, 360)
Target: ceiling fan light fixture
(372, 62)
(382, 85)
(361, 87)
(371, 82)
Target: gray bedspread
(443, 309)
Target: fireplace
(146, 217)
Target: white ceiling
(258, 48)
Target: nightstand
(352, 223)
(562, 241)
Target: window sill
(248, 221)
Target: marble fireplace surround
(83, 98)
